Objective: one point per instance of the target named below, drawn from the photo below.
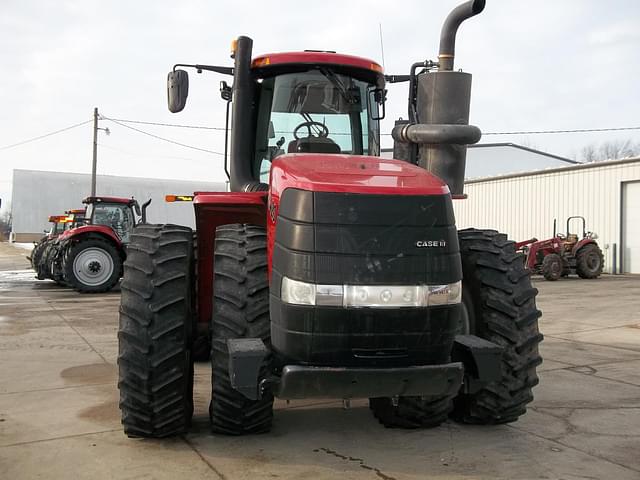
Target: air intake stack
(439, 108)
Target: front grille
(356, 239)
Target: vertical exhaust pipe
(450, 29)
(242, 120)
(442, 98)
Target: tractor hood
(352, 174)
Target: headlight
(371, 296)
(298, 293)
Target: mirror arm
(209, 68)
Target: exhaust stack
(439, 106)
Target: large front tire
(552, 267)
(411, 412)
(240, 310)
(92, 265)
(500, 304)
(155, 334)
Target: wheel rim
(593, 262)
(93, 266)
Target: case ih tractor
(338, 274)
(89, 256)
(58, 225)
(564, 254)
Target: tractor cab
(117, 213)
(58, 224)
(315, 102)
(75, 218)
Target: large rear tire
(240, 310)
(92, 265)
(155, 335)
(589, 261)
(500, 305)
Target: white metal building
(38, 194)
(490, 159)
(525, 205)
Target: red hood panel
(352, 173)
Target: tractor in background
(89, 256)
(58, 225)
(327, 271)
(564, 254)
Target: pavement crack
(379, 473)
(220, 475)
(64, 437)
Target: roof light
(261, 62)
(234, 47)
(178, 198)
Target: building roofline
(513, 145)
(221, 182)
(580, 166)
(526, 149)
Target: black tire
(552, 267)
(82, 277)
(589, 261)
(155, 334)
(240, 310)
(36, 253)
(411, 412)
(501, 308)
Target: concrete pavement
(59, 416)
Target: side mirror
(177, 90)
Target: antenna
(381, 43)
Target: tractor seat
(313, 145)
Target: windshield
(117, 216)
(317, 111)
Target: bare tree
(589, 153)
(610, 150)
(5, 225)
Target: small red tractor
(328, 271)
(88, 257)
(564, 254)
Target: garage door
(631, 228)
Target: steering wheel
(323, 133)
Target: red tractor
(327, 271)
(58, 224)
(564, 254)
(89, 256)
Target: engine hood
(353, 174)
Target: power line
(40, 137)
(578, 130)
(168, 140)
(160, 124)
(524, 132)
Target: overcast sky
(537, 65)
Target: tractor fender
(580, 244)
(99, 231)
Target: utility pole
(95, 152)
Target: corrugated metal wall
(38, 194)
(525, 206)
